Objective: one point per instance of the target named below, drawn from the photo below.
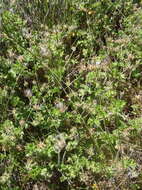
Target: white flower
(98, 62)
(61, 106)
(25, 31)
(28, 93)
(44, 51)
(60, 142)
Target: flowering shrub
(70, 95)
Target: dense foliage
(70, 95)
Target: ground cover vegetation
(70, 95)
